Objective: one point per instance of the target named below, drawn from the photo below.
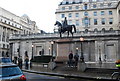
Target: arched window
(86, 30)
(111, 29)
(86, 21)
(103, 30)
(95, 30)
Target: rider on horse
(65, 23)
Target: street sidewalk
(93, 71)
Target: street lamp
(52, 42)
(49, 50)
(32, 51)
(100, 61)
(82, 56)
(31, 57)
(77, 50)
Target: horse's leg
(68, 34)
(71, 33)
(60, 35)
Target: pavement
(94, 71)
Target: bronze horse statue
(63, 29)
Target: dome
(25, 16)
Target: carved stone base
(81, 66)
(51, 65)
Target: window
(103, 21)
(3, 45)
(70, 15)
(62, 15)
(86, 21)
(86, 13)
(85, 0)
(94, 6)
(94, 0)
(77, 22)
(85, 7)
(1, 19)
(70, 22)
(95, 21)
(5, 21)
(8, 71)
(110, 12)
(102, 13)
(76, 14)
(101, 0)
(109, 4)
(95, 13)
(77, 7)
(101, 5)
(110, 20)
(12, 24)
(9, 23)
(63, 8)
(70, 7)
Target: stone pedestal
(52, 65)
(81, 66)
(64, 46)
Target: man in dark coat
(70, 59)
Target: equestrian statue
(62, 28)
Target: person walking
(26, 60)
(20, 62)
(76, 58)
(70, 62)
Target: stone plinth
(82, 66)
(64, 46)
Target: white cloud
(41, 11)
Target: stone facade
(96, 45)
(13, 24)
(90, 15)
(97, 21)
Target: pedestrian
(26, 60)
(76, 58)
(15, 60)
(70, 62)
(20, 62)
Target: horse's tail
(74, 28)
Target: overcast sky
(41, 11)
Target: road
(38, 77)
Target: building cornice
(83, 10)
(9, 26)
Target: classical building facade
(96, 45)
(90, 15)
(13, 24)
(97, 22)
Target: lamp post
(77, 50)
(100, 61)
(32, 51)
(82, 56)
(81, 64)
(31, 57)
(49, 50)
(52, 49)
(52, 64)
